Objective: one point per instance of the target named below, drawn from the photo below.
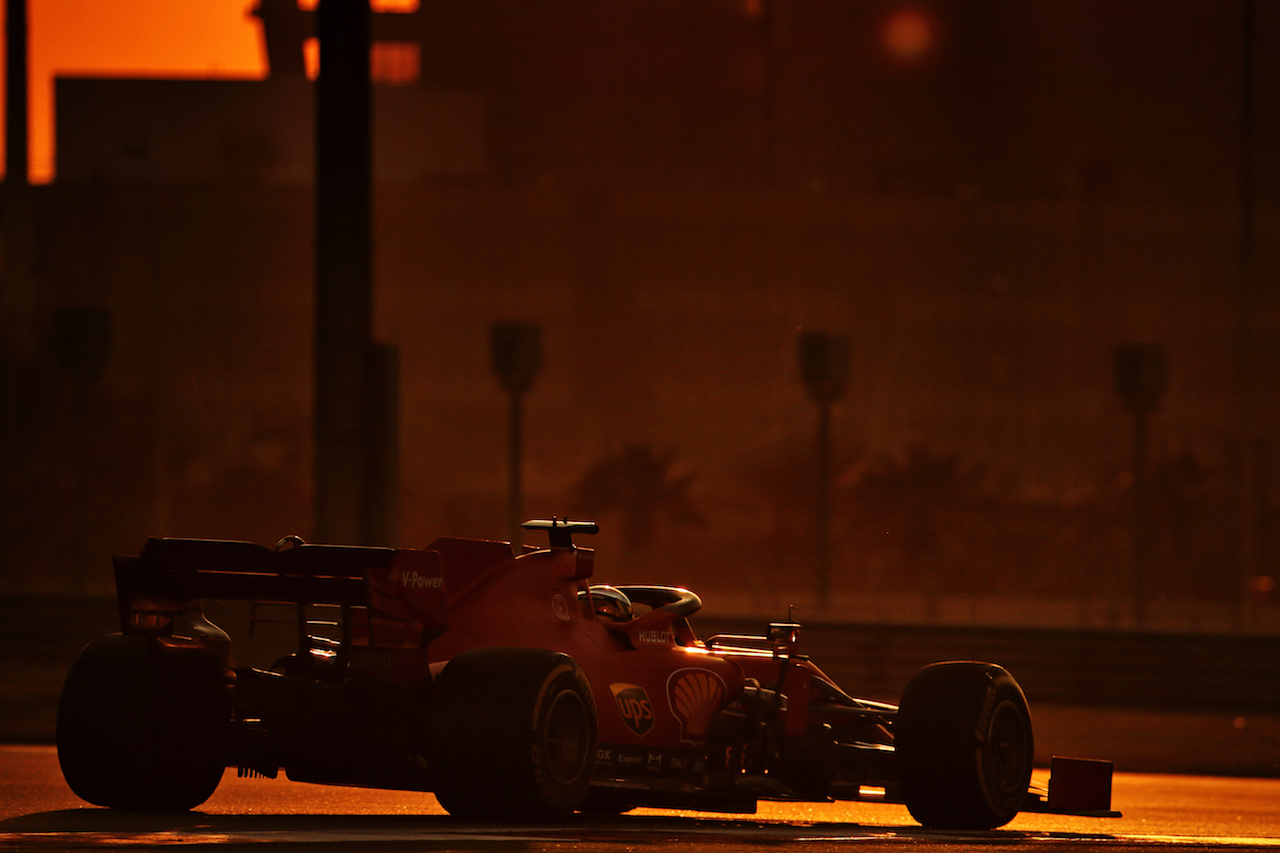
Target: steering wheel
(675, 600)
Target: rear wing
(388, 598)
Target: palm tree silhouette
(910, 495)
(641, 485)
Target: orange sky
(201, 38)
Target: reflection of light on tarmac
(280, 796)
(37, 811)
(379, 838)
(867, 814)
(1204, 842)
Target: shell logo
(695, 696)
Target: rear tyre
(964, 746)
(513, 734)
(139, 727)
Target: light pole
(1250, 471)
(516, 354)
(1141, 375)
(824, 365)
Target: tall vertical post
(823, 525)
(1141, 517)
(344, 500)
(824, 366)
(17, 276)
(1141, 375)
(515, 469)
(16, 141)
(1251, 494)
(516, 355)
(17, 295)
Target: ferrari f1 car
(513, 688)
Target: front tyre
(139, 727)
(964, 746)
(513, 734)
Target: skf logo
(634, 706)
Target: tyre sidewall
(562, 780)
(964, 746)
(492, 734)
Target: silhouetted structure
(670, 191)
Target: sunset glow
(158, 38)
(909, 34)
(121, 38)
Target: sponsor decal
(659, 637)
(695, 695)
(634, 706)
(560, 607)
(409, 578)
(631, 761)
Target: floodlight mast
(824, 365)
(516, 352)
(1141, 376)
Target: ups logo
(634, 706)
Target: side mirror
(784, 638)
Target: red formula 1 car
(513, 688)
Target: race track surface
(38, 812)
